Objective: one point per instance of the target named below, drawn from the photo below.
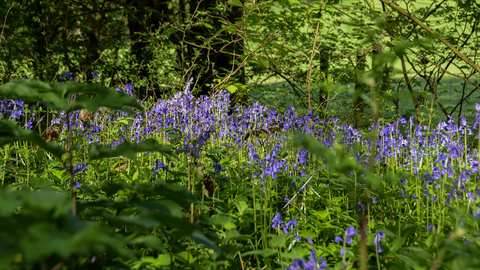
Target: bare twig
(4, 23)
(85, 72)
(243, 62)
(310, 68)
(431, 31)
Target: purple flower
(277, 221)
(351, 231)
(77, 185)
(338, 239)
(380, 235)
(158, 165)
(78, 168)
(309, 240)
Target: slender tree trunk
(358, 104)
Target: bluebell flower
(378, 238)
(309, 240)
(277, 220)
(78, 168)
(338, 239)
(77, 185)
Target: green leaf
(39, 183)
(127, 149)
(321, 214)
(397, 243)
(56, 96)
(124, 121)
(263, 252)
(263, 62)
(234, 234)
(9, 133)
(294, 2)
(409, 262)
(232, 89)
(223, 221)
(200, 238)
(278, 241)
(137, 220)
(235, 3)
(161, 260)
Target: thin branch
(431, 31)
(4, 23)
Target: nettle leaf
(94, 96)
(127, 149)
(51, 94)
(56, 95)
(9, 133)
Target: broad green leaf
(56, 95)
(161, 260)
(124, 121)
(200, 238)
(137, 220)
(409, 262)
(321, 214)
(127, 149)
(263, 252)
(278, 241)
(234, 234)
(232, 89)
(9, 133)
(39, 183)
(223, 221)
(235, 3)
(397, 243)
(263, 62)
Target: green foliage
(38, 226)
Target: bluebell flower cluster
(286, 227)
(376, 241)
(78, 168)
(314, 263)
(209, 120)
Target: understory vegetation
(240, 134)
(194, 183)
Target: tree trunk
(358, 104)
